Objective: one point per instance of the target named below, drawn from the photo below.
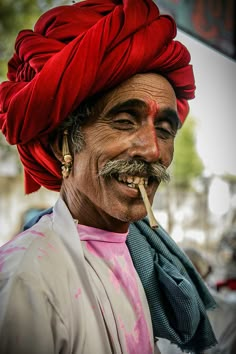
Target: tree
(16, 15)
(187, 164)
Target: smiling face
(136, 121)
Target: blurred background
(199, 204)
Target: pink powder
(37, 233)
(134, 339)
(52, 247)
(111, 248)
(43, 251)
(114, 282)
(78, 293)
(7, 251)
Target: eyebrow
(134, 103)
(126, 105)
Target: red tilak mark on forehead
(153, 108)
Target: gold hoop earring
(67, 158)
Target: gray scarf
(177, 296)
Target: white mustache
(134, 168)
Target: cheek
(167, 152)
(97, 138)
(106, 144)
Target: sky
(214, 106)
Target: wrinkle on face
(145, 87)
(105, 202)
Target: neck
(94, 217)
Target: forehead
(151, 88)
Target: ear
(56, 147)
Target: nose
(145, 144)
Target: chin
(129, 218)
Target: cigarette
(152, 219)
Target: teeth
(133, 181)
(131, 185)
(130, 179)
(137, 180)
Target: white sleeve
(28, 322)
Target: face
(136, 121)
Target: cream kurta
(60, 294)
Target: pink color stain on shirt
(134, 340)
(114, 281)
(5, 252)
(9, 247)
(43, 253)
(111, 247)
(122, 273)
(37, 233)
(78, 293)
(52, 247)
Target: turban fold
(74, 52)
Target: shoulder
(32, 265)
(37, 253)
(26, 248)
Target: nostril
(146, 153)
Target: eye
(165, 130)
(123, 121)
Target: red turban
(74, 52)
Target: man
(96, 94)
